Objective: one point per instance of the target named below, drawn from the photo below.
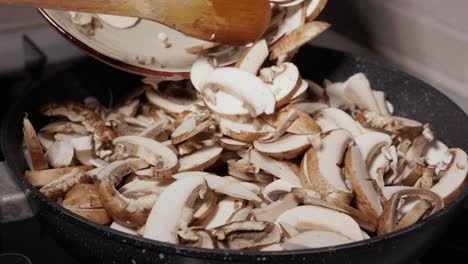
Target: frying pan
(97, 244)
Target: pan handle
(14, 204)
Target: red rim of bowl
(106, 59)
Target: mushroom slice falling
(310, 217)
(314, 8)
(284, 80)
(130, 212)
(255, 95)
(303, 125)
(174, 97)
(315, 239)
(200, 159)
(298, 38)
(253, 57)
(201, 68)
(43, 177)
(367, 198)
(34, 154)
(281, 169)
(153, 152)
(320, 169)
(173, 209)
(286, 147)
(247, 234)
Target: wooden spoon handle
(235, 22)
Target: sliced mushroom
(207, 207)
(139, 188)
(379, 97)
(309, 217)
(336, 96)
(83, 196)
(201, 69)
(281, 169)
(169, 103)
(120, 22)
(60, 154)
(304, 125)
(173, 209)
(270, 212)
(247, 132)
(320, 169)
(223, 212)
(297, 38)
(197, 237)
(153, 152)
(276, 190)
(102, 135)
(131, 212)
(200, 159)
(367, 198)
(253, 58)
(392, 124)
(256, 96)
(371, 143)
(221, 185)
(358, 91)
(287, 147)
(247, 234)
(227, 106)
(232, 144)
(135, 163)
(243, 214)
(64, 127)
(454, 178)
(435, 152)
(310, 108)
(332, 118)
(315, 239)
(35, 155)
(314, 8)
(84, 151)
(188, 129)
(284, 82)
(43, 177)
(57, 188)
(388, 219)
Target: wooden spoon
(234, 22)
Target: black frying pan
(94, 243)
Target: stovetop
(28, 241)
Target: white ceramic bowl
(136, 49)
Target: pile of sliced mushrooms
(246, 157)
